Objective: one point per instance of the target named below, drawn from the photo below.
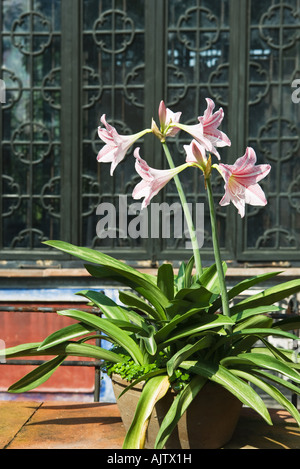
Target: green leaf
(144, 377)
(277, 352)
(165, 280)
(22, 350)
(248, 329)
(263, 361)
(116, 333)
(209, 321)
(268, 296)
(232, 383)
(154, 389)
(65, 348)
(88, 350)
(150, 292)
(65, 334)
(195, 294)
(242, 286)
(188, 272)
(210, 278)
(264, 332)
(136, 279)
(258, 321)
(97, 257)
(147, 337)
(107, 306)
(246, 313)
(179, 307)
(186, 351)
(37, 376)
(288, 324)
(130, 299)
(177, 409)
(43, 372)
(180, 277)
(289, 355)
(271, 390)
(282, 382)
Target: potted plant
(180, 336)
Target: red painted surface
(24, 326)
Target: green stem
(191, 228)
(224, 296)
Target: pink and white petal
(209, 109)
(141, 166)
(225, 199)
(106, 154)
(225, 170)
(105, 136)
(162, 113)
(245, 162)
(214, 120)
(196, 131)
(264, 171)
(240, 205)
(173, 117)
(254, 195)
(141, 190)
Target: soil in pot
(208, 423)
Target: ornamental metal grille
(66, 62)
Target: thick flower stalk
(169, 126)
(116, 145)
(241, 181)
(187, 213)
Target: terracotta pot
(208, 423)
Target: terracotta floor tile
(77, 426)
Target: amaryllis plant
(180, 329)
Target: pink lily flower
(210, 124)
(241, 180)
(195, 153)
(116, 145)
(168, 120)
(197, 132)
(153, 180)
(167, 117)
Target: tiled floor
(60, 425)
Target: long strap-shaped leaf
(242, 286)
(66, 348)
(272, 391)
(106, 305)
(97, 257)
(153, 390)
(71, 332)
(43, 372)
(37, 376)
(263, 361)
(113, 331)
(146, 282)
(269, 296)
(209, 321)
(232, 383)
(149, 291)
(134, 301)
(177, 409)
(185, 352)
